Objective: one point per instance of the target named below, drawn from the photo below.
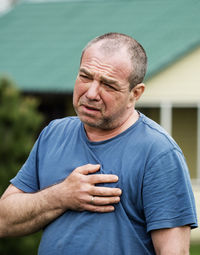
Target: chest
(123, 160)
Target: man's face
(102, 98)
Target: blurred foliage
(19, 123)
(195, 249)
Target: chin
(101, 124)
(90, 123)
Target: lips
(90, 107)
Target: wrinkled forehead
(111, 62)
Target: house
(41, 43)
(40, 46)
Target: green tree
(19, 123)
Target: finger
(94, 200)
(102, 178)
(105, 191)
(100, 209)
(88, 169)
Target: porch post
(166, 116)
(198, 142)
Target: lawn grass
(195, 249)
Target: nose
(93, 91)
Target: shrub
(19, 124)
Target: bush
(19, 124)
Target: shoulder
(67, 122)
(157, 135)
(60, 127)
(156, 140)
(61, 123)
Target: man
(110, 181)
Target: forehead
(113, 63)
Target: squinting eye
(109, 86)
(84, 76)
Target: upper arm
(11, 190)
(171, 241)
(167, 193)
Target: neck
(97, 134)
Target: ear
(138, 91)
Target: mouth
(90, 108)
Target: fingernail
(120, 192)
(116, 177)
(112, 208)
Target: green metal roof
(40, 43)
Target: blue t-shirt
(152, 174)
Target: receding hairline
(115, 40)
(112, 42)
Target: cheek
(110, 100)
(114, 98)
(79, 90)
(117, 103)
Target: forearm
(25, 213)
(172, 251)
(174, 241)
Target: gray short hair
(138, 57)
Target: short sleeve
(167, 194)
(27, 178)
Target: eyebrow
(83, 70)
(103, 78)
(109, 80)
